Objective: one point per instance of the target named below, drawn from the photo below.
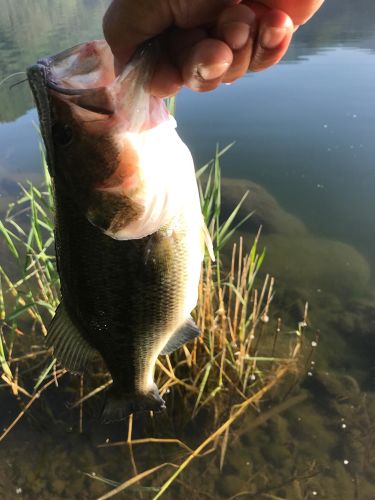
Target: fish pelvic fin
(70, 348)
(118, 405)
(185, 333)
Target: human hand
(206, 42)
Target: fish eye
(62, 134)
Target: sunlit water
(303, 130)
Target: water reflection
(340, 23)
(30, 29)
(21, 131)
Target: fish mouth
(85, 74)
(80, 69)
(43, 78)
(87, 68)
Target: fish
(129, 231)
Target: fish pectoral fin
(185, 333)
(118, 405)
(70, 348)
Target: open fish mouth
(86, 71)
(84, 66)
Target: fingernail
(211, 72)
(236, 34)
(272, 37)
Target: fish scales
(111, 287)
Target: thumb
(128, 23)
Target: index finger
(127, 24)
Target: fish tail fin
(118, 405)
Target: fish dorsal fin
(185, 333)
(208, 241)
(70, 348)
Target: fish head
(98, 128)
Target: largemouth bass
(128, 225)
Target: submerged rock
(267, 211)
(356, 325)
(295, 257)
(318, 265)
(359, 318)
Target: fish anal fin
(70, 348)
(185, 333)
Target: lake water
(304, 131)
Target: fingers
(167, 80)
(201, 60)
(128, 23)
(206, 59)
(246, 38)
(214, 40)
(246, 35)
(204, 64)
(237, 26)
(274, 35)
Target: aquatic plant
(242, 355)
